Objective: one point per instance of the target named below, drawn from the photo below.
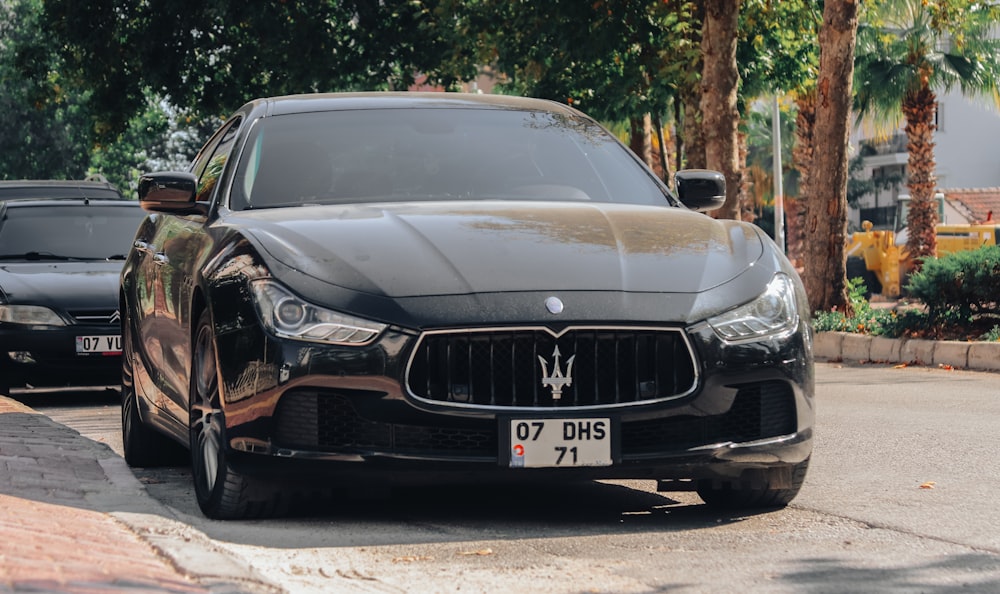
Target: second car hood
(62, 285)
(441, 248)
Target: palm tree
(907, 51)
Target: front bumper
(47, 359)
(743, 419)
(321, 413)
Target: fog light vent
(21, 357)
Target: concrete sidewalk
(73, 518)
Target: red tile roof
(983, 204)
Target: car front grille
(329, 421)
(96, 317)
(533, 368)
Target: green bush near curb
(960, 292)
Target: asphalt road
(899, 498)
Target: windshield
(68, 231)
(436, 154)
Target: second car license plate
(99, 345)
(541, 443)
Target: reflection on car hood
(419, 249)
(61, 285)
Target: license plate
(99, 345)
(546, 443)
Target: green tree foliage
(160, 138)
(46, 124)
(214, 55)
(43, 136)
(615, 59)
(907, 52)
(777, 50)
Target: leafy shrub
(959, 285)
(862, 318)
(961, 292)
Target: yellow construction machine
(875, 257)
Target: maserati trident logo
(559, 379)
(115, 317)
(554, 305)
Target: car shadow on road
(375, 517)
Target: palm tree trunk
(694, 137)
(922, 218)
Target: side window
(209, 165)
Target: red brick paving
(56, 548)
(54, 534)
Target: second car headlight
(288, 316)
(30, 315)
(773, 313)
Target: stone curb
(859, 348)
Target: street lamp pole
(779, 201)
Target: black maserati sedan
(406, 288)
(61, 255)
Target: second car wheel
(222, 492)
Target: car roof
(53, 189)
(403, 100)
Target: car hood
(426, 249)
(61, 285)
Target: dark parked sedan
(404, 288)
(60, 261)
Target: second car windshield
(435, 154)
(72, 231)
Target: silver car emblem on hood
(115, 317)
(554, 305)
(558, 380)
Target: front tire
(763, 494)
(222, 492)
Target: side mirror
(170, 192)
(701, 189)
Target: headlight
(774, 312)
(30, 315)
(287, 316)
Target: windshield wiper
(39, 256)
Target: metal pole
(779, 200)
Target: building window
(881, 217)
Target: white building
(967, 156)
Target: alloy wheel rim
(206, 414)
